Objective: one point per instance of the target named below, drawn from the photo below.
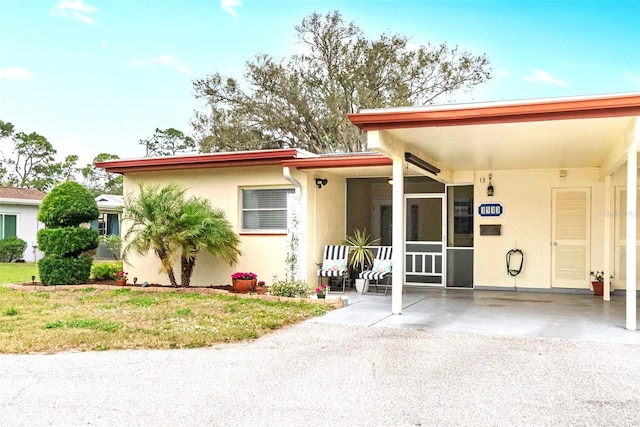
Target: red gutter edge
(557, 109)
(338, 162)
(199, 161)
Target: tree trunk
(162, 254)
(187, 265)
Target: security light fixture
(320, 182)
(417, 161)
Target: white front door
(570, 236)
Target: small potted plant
(121, 278)
(598, 282)
(244, 282)
(321, 291)
(261, 288)
(360, 255)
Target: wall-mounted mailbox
(490, 229)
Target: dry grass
(90, 319)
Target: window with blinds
(265, 209)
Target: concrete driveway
(325, 373)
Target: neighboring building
(470, 183)
(108, 223)
(18, 218)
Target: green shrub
(289, 288)
(64, 271)
(114, 244)
(67, 241)
(11, 249)
(68, 204)
(105, 270)
(63, 210)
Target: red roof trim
(200, 161)
(339, 161)
(557, 109)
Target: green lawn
(18, 272)
(90, 319)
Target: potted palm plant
(360, 255)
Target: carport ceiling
(569, 143)
(574, 132)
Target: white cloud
(168, 60)
(75, 9)
(15, 73)
(228, 5)
(103, 45)
(542, 77)
(503, 73)
(633, 78)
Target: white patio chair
(334, 264)
(380, 270)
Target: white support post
(632, 182)
(398, 235)
(606, 295)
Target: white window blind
(265, 209)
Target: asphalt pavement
(323, 374)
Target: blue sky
(99, 75)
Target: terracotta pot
(598, 288)
(121, 282)
(243, 286)
(261, 289)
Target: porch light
(390, 181)
(490, 188)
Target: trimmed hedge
(68, 241)
(64, 271)
(11, 249)
(68, 204)
(62, 210)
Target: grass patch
(123, 319)
(10, 311)
(18, 272)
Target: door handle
(555, 243)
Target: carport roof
(522, 134)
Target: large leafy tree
(99, 181)
(168, 142)
(303, 101)
(30, 163)
(164, 221)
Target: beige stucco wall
(526, 224)
(326, 216)
(262, 254)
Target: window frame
(242, 210)
(3, 223)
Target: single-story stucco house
(452, 188)
(18, 218)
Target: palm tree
(202, 227)
(153, 215)
(162, 220)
